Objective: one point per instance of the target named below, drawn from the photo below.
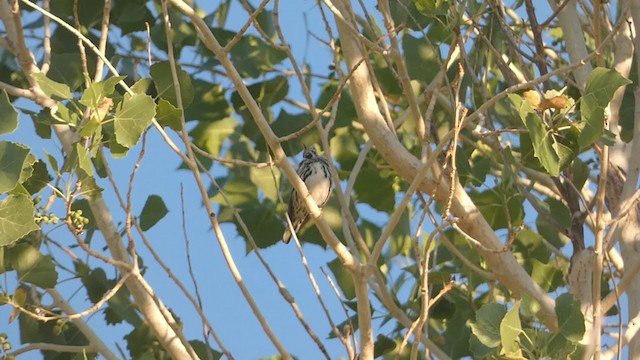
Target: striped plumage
(315, 172)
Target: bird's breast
(319, 183)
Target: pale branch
(272, 140)
(506, 268)
(192, 164)
(632, 329)
(159, 320)
(395, 311)
(73, 315)
(102, 43)
(421, 173)
(401, 68)
(55, 348)
(200, 306)
(286, 295)
(574, 39)
(94, 340)
(232, 162)
(457, 253)
(346, 333)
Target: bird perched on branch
(315, 172)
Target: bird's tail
(286, 237)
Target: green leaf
(601, 86)
(558, 211)
(287, 123)
(500, 206)
(487, 325)
(131, 16)
(383, 345)
(266, 179)
(132, 117)
(16, 218)
(510, 329)
(153, 211)
(253, 57)
(38, 179)
(202, 350)
(32, 266)
(344, 148)
(120, 308)
(559, 347)
(541, 137)
(42, 122)
(267, 93)
(570, 319)
(547, 276)
(211, 136)
(401, 239)
(263, 222)
(12, 159)
(70, 115)
(343, 277)
(169, 115)
(374, 189)
(422, 58)
(97, 91)
(141, 86)
(53, 163)
(209, 104)
(84, 159)
(51, 88)
(161, 75)
(66, 68)
(27, 167)
(240, 191)
(8, 115)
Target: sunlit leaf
(8, 115)
(549, 277)
(132, 118)
(12, 159)
(541, 136)
(267, 180)
(211, 136)
(94, 94)
(169, 115)
(84, 159)
(510, 329)
(252, 56)
(51, 88)
(32, 266)
(601, 85)
(487, 325)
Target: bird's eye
(309, 154)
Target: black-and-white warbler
(314, 170)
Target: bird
(314, 170)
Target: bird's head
(309, 153)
